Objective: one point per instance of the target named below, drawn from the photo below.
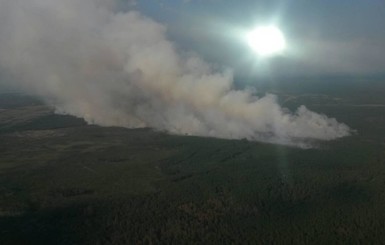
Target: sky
(325, 37)
(172, 65)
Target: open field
(65, 182)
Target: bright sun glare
(266, 40)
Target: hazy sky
(324, 37)
(115, 66)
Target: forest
(65, 182)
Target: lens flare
(266, 40)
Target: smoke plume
(119, 69)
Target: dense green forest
(65, 182)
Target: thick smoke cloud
(118, 68)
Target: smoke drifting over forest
(119, 69)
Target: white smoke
(118, 69)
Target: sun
(266, 40)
